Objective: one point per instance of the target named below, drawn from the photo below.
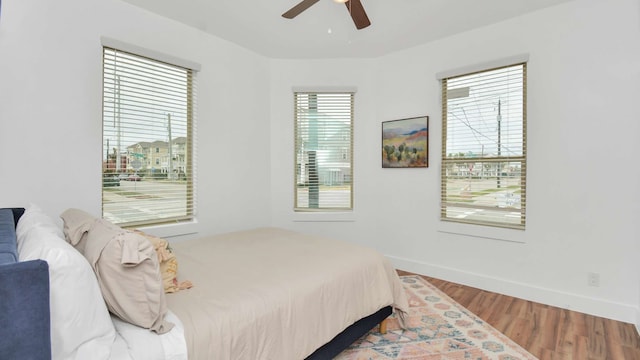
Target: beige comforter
(276, 294)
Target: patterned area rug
(438, 328)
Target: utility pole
(483, 164)
(499, 167)
(117, 114)
(170, 170)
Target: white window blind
(483, 175)
(148, 140)
(323, 151)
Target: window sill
(172, 230)
(482, 231)
(313, 216)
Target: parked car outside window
(110, 180)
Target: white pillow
(34, 217)
(80, 324)
(147, 345)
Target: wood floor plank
(580, 350)
(547, 332)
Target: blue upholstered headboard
(24, 297)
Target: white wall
(584, 76)
(51, 109)
(583, 177)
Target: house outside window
(323, 151)
(148, 133)
(484, 147)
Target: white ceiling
(326, 30)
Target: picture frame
(405, 143)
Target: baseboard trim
(584, 304)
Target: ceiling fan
(354, 7)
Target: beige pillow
(76, 226)
(168, 264)
(127, 269)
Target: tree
(389, 149)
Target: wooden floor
(545, 331)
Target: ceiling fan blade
(296, 10)
(359, 16)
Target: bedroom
(583, 90)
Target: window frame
(189, 112)
(447, 201)
(340, 153)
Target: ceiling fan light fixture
(340, 1)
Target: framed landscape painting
(405, 143)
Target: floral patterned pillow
(168, 264)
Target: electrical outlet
(593, 279)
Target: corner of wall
(637, 320)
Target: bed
(276, 294)
(265, 293)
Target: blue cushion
(24, 298)
(8, 245)
(24, 311)
(17, 213)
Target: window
(323, 151)
(484, 147)
(148, 133)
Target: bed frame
(351, 334)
